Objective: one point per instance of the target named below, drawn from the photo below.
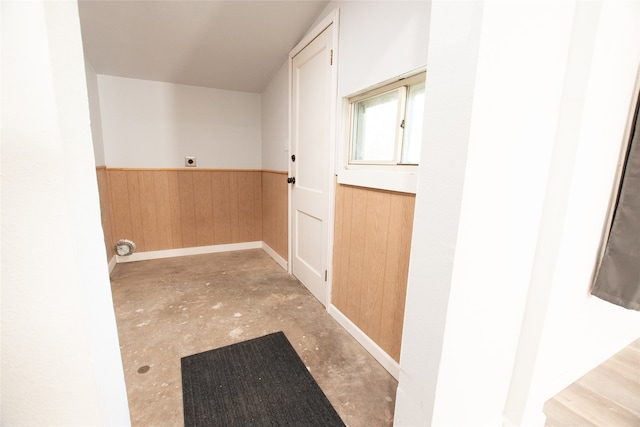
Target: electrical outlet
(190, 161)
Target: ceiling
(234, 45)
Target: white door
(310, 144)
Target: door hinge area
(331, 57)
(325, 275)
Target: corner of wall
(94, 112)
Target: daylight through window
(386, 124)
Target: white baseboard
(112, 263)
(374, 349)
(276, 257)
(198, 250)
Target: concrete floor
(170, 308)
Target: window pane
(375, 128)
(413, 125)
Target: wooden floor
(607, 396)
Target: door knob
(291, 180)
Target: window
(386, 123)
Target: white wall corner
(451, 65)
(48, 170)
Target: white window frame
(381, 175)
(399, 134)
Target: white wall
(60, 355)
(455, 31)
(379, 40)
(94, 113)
(581, 331)
(526, 104)
(149, 124)
(275, 121)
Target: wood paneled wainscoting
(105, 211)
(371, 261)
(275, 205)
(180, 208)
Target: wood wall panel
(246, 193)
(119, 201)
(135, 209)
(257, 207)
(105, 211)
(371, 261)
(275, 220)
(148, 208)
(222, 216)
(170, 209)
(162, 192)
(376, 226)
(203, 199)
(396, 273)
(232, 203)
(174, 209)
(187, 209)
(358, 206)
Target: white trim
(333, 146)
(112, 263)
(403, 182)
(374, 349)
(399, 178)
(276, 257)
(198, 250)
(289, 166)
(331, 18)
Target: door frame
(331, 18)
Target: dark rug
(260, 382)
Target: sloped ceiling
(234, 45)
